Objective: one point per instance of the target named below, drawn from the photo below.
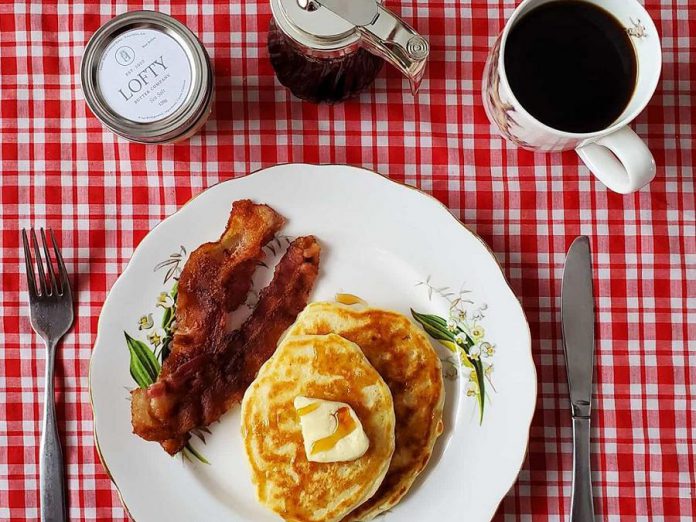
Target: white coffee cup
(616, 155)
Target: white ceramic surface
(616, 155)
(380, 240)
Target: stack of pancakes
(385, 368)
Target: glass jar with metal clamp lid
(330, 50)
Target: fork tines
(48, 283)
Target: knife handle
(581, 504)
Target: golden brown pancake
(406, 360)
(324, 367)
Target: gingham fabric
(60, 168)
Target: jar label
(144, 75)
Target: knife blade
(577, 323)
(577, 319)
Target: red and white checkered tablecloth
(60, 168)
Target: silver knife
(577, 320)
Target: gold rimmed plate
(393, 246)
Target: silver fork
(51, 308)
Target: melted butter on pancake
(331, 430)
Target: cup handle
(628, 169)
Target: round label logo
(125, 55)
(144, 75)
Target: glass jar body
(317, 79)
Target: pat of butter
(331, 430)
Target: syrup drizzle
(345, 425)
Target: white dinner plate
(393, 246)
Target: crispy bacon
(199, 391)
(217, 277)
(216, 280)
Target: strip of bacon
(217, 278)
(211, 382)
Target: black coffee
(571, 65)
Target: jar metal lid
(178, 116)
(317, 29)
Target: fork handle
(52, 484)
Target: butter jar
(147, 78)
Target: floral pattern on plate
(463, 334)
